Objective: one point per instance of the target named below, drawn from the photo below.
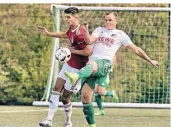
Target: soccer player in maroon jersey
(79, 57)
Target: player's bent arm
(89, 39)
(138, 51)
(57, 34)
(87, 51)
(45, 32)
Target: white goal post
(136, 82)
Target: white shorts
(67, 85)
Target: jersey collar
(75, 28)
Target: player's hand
(154, 63)
(43, 30)
(85, 26)
(72, 49)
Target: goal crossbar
(156, 9)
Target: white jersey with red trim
(108, 42)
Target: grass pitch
(16, 116)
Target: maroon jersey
(76, 40)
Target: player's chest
(108, 39)
(76, 38)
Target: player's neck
(74, 27)
(111, 28)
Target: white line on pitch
(14, 111)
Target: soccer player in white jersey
(107, 40)
(101, 90)
(79, 57)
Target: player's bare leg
(53, 102)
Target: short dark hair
(71, 10)
(114, 13)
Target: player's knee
(53, 102)
(85, 99)
(97, 90)
(59, 84)
(57, 88)
(65, 100)
(100, 92)
(94, 66)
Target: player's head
(110, 20)
(71, 16)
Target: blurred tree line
(25, 55)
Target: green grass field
(15, 116)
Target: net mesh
(134, 80)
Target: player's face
(70, 19)
(110, 21)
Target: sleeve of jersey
(125, 40)
(67, 32)
(96, 32)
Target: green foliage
(25, 54)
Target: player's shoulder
(120, 32)
(100, 28)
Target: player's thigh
(101, 90)
(86, 93)
(59, 84)
(88, 88)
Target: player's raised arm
(89, 39)
(87, 51)
(138, 51)
(45, 32)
